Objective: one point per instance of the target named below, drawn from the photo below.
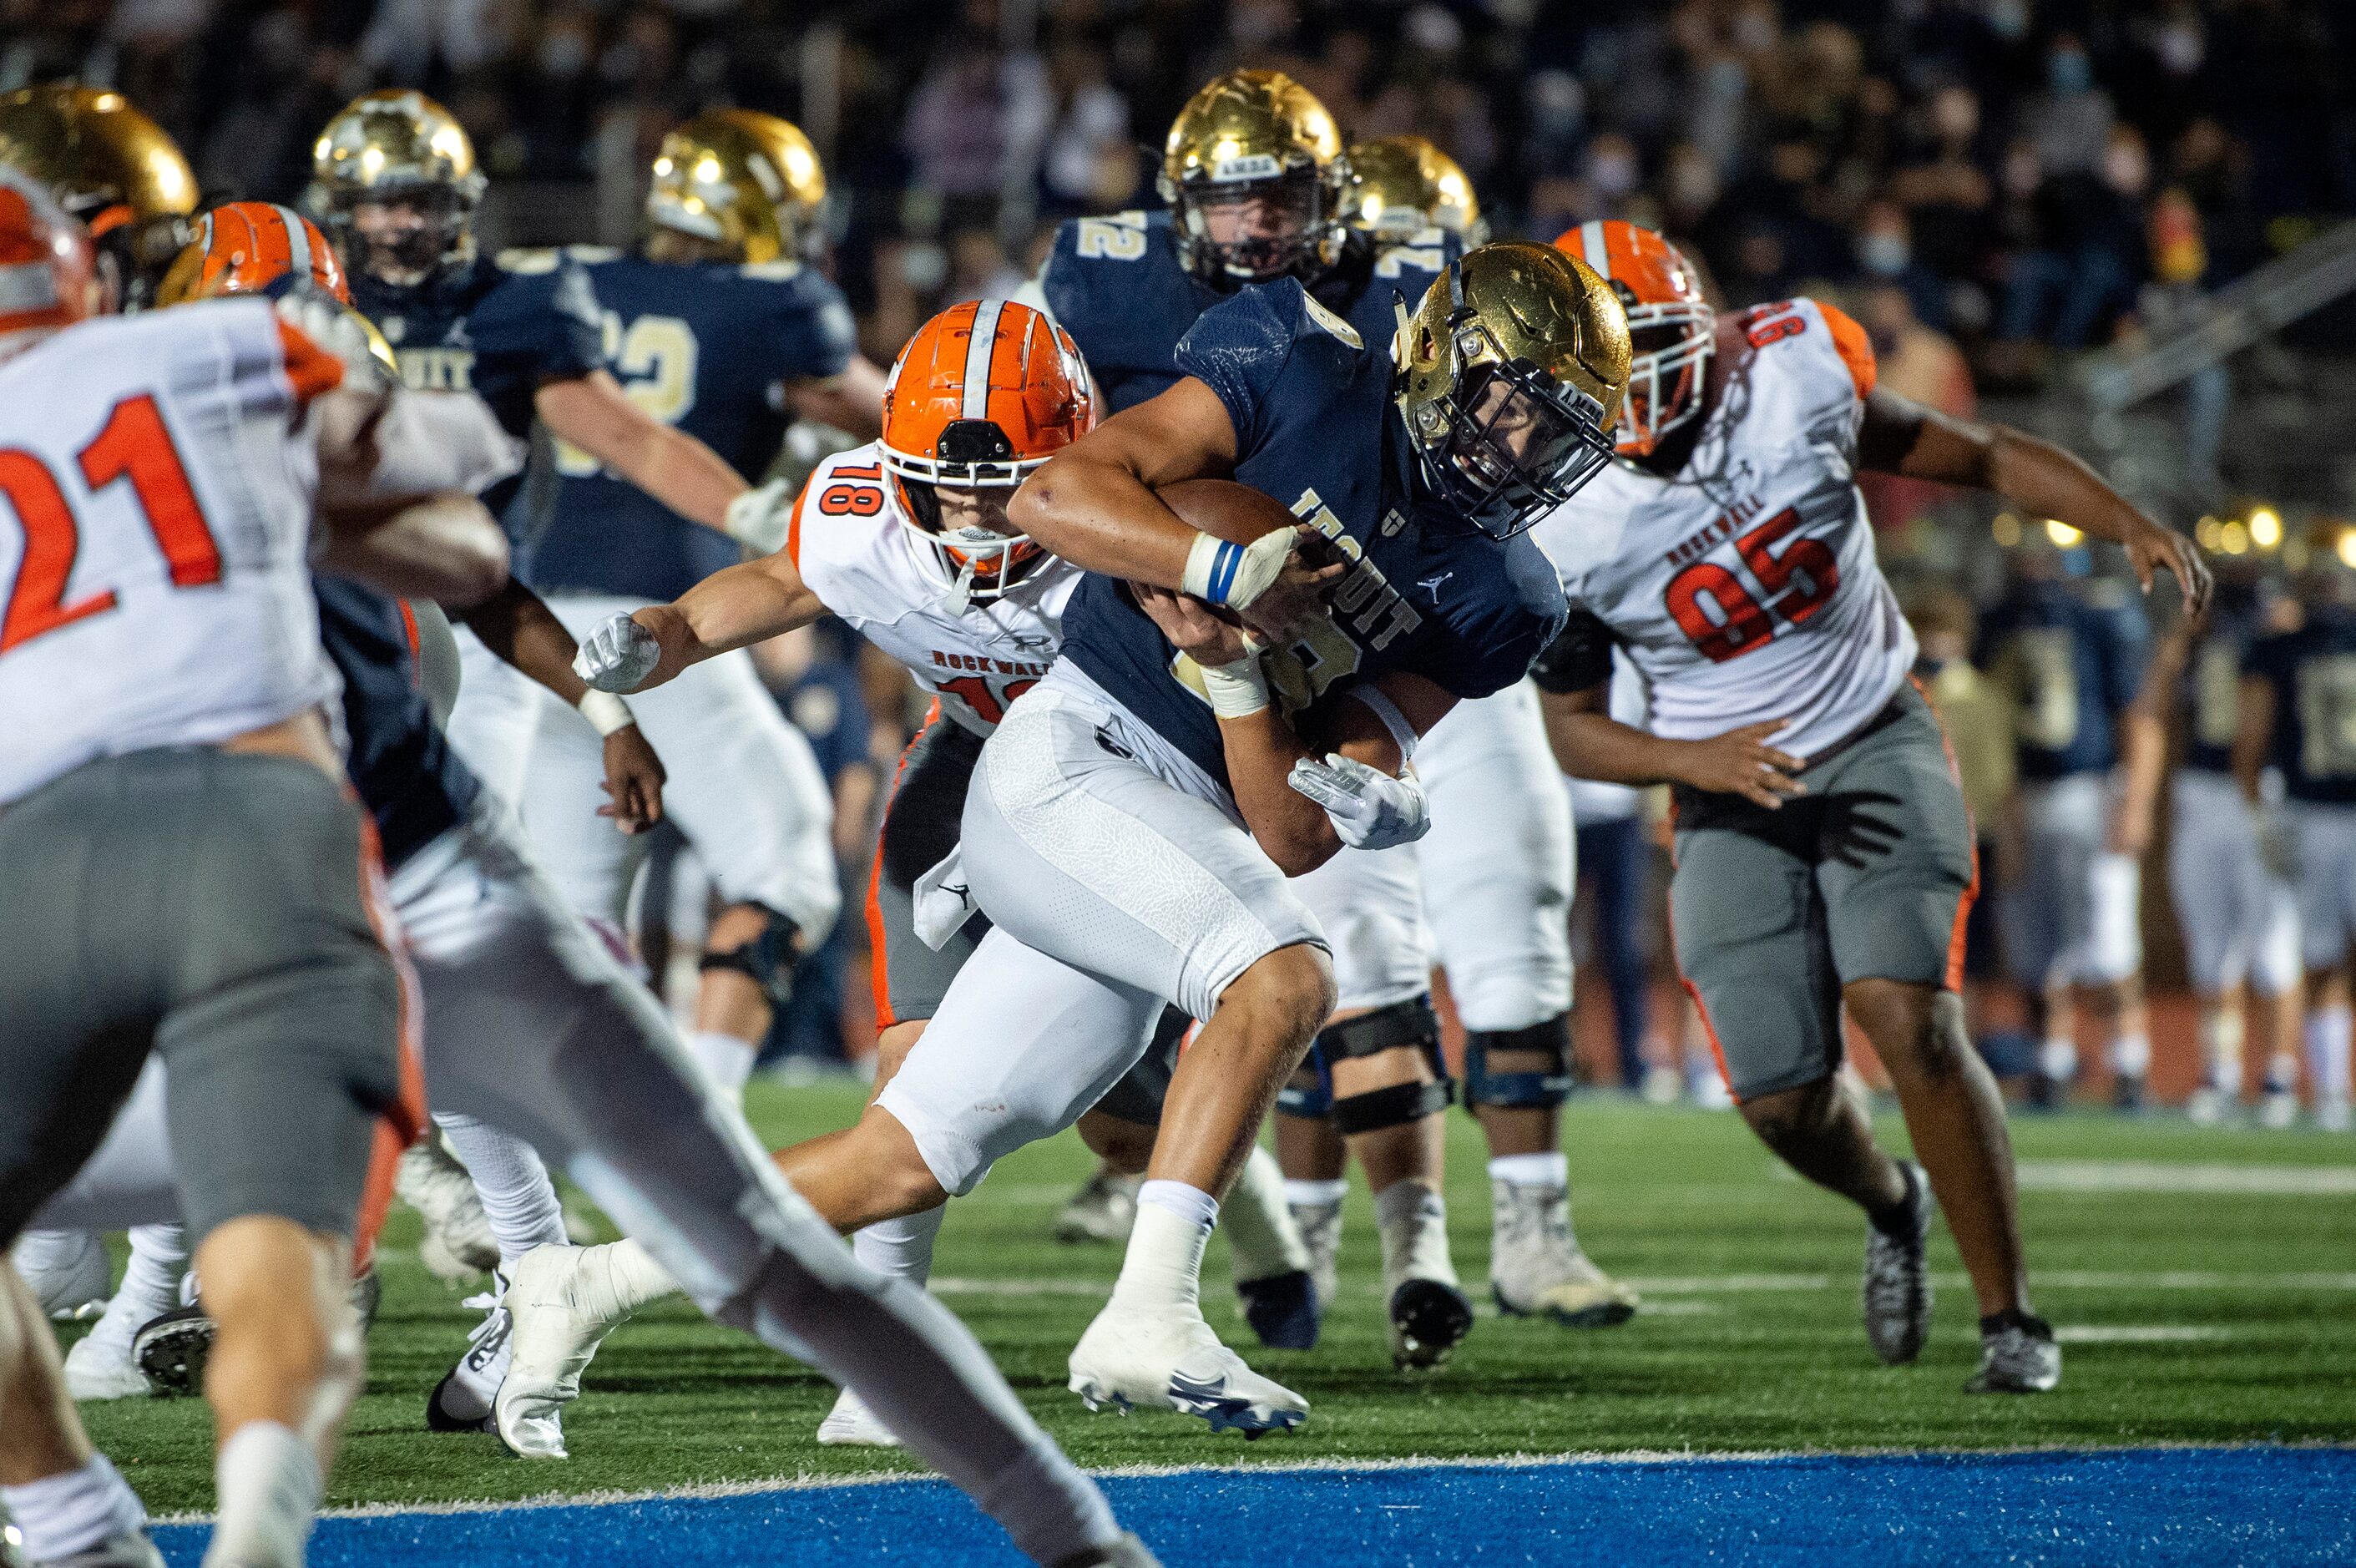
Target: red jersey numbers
(1765, 324)
(1715, 608)
(844, 498)
(133, 444)
(988, 700)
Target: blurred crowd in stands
(2021, 177)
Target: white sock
(2131, 1055)
(268, 1482)
(1413, 1219)
(1188, 1203)
(2056, 1058)
(159, 1257)
(1163, 1268)
(39, 1252)
(58, 1515)
(903, 1248)
(1302, 1192)
(725, 1059)
(518, 1200)
(1262, 1239)
(2220, 1050)
(1551, 1169)
(2326, 1054)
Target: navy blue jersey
(707, 348)
(2212, 680)
(1116, 285)
(407, 776)
(482, 328)
(2072, 658)
(2313, 673)
(1314, 428)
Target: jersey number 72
(133, 444)
(1801, 580)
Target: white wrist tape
(605, 712)
(1221, 573)
(1236, 691)
(1377, 703)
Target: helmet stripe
(1599, 251)
(978, 350)
(298, 240)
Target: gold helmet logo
(1253, 170)
(108, 165)
(1509, 374)
(745, 183)
(1402, 183)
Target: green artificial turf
(2224, 1317)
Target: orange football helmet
(252, 247)
(47, 264)
(1672, 329)
(984, 393)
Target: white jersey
(153, 589)
(1746, 589)
(861, 558)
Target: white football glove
(1370, 809)
(618, 655)
(760, 518)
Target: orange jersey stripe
(1856, 348)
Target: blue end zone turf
(2271, 1506)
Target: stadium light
(2204, 533)
(2266, 527)
(2347, 548)
(2063, 536)
(2234, 539)
(2007, 530)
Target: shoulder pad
(1331, 322)
(770, 272)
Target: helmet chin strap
(960, 592)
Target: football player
(171, 781)
(1125, 862)
(2297, 716)
(111, 166)
(543, 1034)
(907, 539)
(1824, 853)
(2071, 651)
(2239, 914)
(1259, 190)
(725, 328)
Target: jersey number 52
(1800, 581)
(133, 444)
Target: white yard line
(2105, 1176)
(2325, 1281)
(2141, 1333)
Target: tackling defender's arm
(851, 400)
(519, 629)
(1094, 504)
(594, 414)
(1900, 436)
(1574, 679)
(1363, 779)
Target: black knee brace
(1409, 1023)
(1519, 1090)
(768, 958)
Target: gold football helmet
(1401, 184)
(399, 149)
(108, 165)
(746, 183)
(1510, 374)
(1253, 172)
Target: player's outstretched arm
(594, 414)
(523, 632)
(1589, 743)
(1900, 436)
(416, 540)
(731, 609)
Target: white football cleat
(850, 1424)
(555, 1326)
(1172, 1360)
(458, 1240)
(461, 1401)
(1103, 1210)
(2278, 1110)
(2209, 1107)
(100, 1366)
(1536, 1268)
